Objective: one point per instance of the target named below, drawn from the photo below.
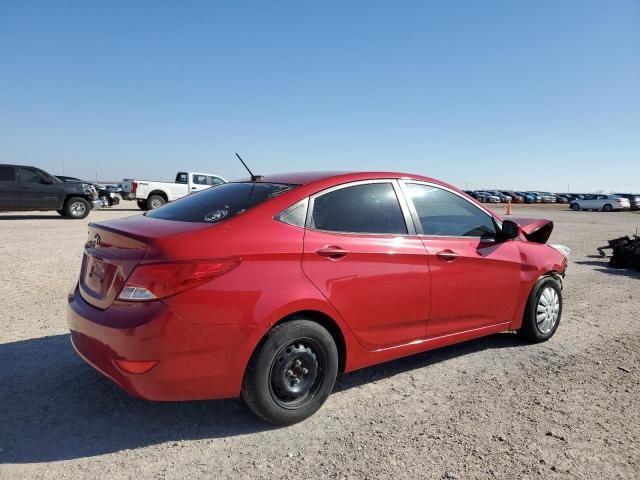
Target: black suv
(29, 188)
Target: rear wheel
(543, 311)
(291, 373)
(607, 208)
(575, 207)
(77, 208)
(155, 201)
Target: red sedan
(267, 288)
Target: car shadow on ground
(605, 268)
(55, 407)
(32, 217)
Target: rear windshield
(219, 203)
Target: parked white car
(151, 194)
(606, 203)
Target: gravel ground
(493, 407)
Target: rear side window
(219, 203)
(7, 174)
(443, 213)
(200, 179)
(368, 208)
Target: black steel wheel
(291, 373)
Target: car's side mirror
(509, 230)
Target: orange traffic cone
(508, 207)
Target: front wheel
(77, 208)
(543, 312)
(575, 207)
(291, 373)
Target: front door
(475, 279)
(359, 253)
(38, 191)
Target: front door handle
(332, 252)
(447, 255)
(193, 188)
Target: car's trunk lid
(112, 251)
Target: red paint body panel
(391, 296)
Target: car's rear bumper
(193, 361)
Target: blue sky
(537, 95)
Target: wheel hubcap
(294, 374)
(547, 310)
(156, 204)
(77, 209)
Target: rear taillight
(154, 281)
(134, 187)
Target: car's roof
(306, 178)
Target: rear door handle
(447, 255)
(333, 253)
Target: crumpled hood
(535, 229)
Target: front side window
(213, 205)
(443, 213)
(366, 208)
(30, 175)
(215, 181)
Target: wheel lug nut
(298, 363)
(297, 380)
(289, 373)
(305, 371)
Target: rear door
(199, 181)
(35, 192)
(361, 252)
(475, 280)
(9, 188)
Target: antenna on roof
(254, 178)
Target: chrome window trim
(402, 203)
(416, 219)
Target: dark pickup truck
(29, 188)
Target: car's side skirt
(365, 358)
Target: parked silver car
(606, 203)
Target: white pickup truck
(150, 194)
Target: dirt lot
(494, 407)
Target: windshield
(219, 203)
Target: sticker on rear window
(215, 216)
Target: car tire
(291, 373)
(77, 208)
(543, 311)
(155, 201)
(607, 208)
(62, 213)
(575, 207)
(142, 205)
